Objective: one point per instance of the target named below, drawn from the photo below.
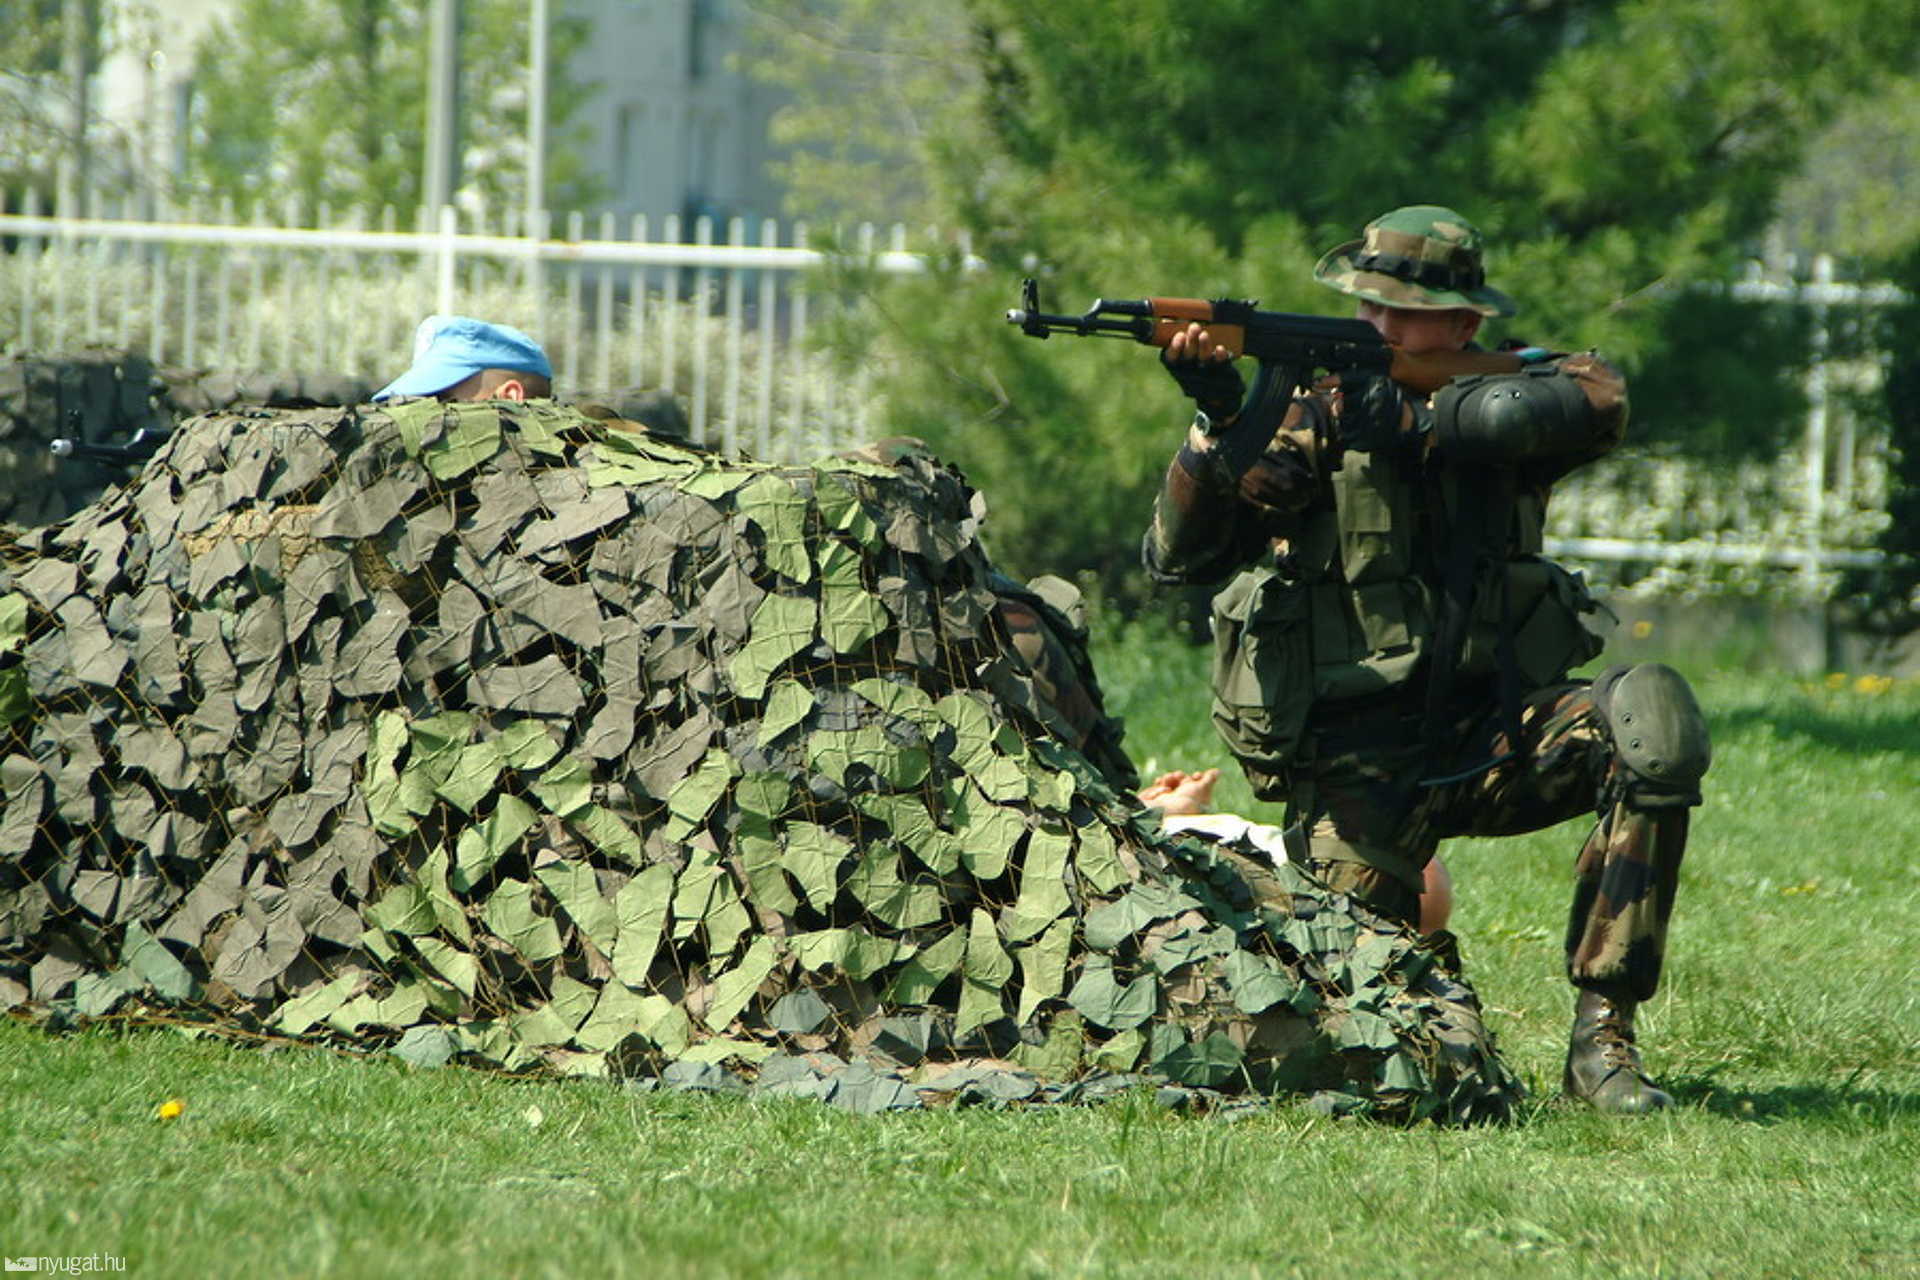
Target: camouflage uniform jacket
(1350, 559)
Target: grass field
(1788, 1029)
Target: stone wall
(1802, 641)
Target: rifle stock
(1427, 374)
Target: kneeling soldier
(1394, 664)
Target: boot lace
(1614, 1035)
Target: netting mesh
(513, 735)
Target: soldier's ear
(511, 389)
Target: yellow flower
(1872, 684)
(171, 1109)
(1642, 629)
(1837, 680)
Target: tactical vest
(1348, 608)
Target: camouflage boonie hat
(1421, 257)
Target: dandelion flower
(171, 1109)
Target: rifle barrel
(137, 448)
(1039, 324)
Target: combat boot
(1603, 1066)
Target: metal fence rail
(1701, 551)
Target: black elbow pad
(1538, 412)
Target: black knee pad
(1504, 416)
(1659, 733)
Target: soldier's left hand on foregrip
(1211, 382)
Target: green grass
(1788, 1028)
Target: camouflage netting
(519, 737)
(104, 396)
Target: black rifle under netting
(522, 738)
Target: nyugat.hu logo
(23, 1264)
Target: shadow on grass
(1881, 731)
(1794, 1101)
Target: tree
(325, 101)
(49, 133)
(1857, 194)
(1615, 152)
(873, 100)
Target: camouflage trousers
(1371, 825)
(1045, 628)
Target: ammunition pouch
(1555, 621)
(1262, 675)
(1502, 417)
(1659, 733)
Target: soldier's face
(1421, 333)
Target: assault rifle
(1292, 350)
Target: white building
(674, 129)
(671, 129)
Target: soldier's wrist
(1194, 460)
(1204, 464)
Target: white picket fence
(720, 317)
(1679, 527)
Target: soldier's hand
(1180, 792)
(1205, 372)
(1278, 482)
(1375, 414)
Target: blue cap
(447, 350)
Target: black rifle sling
(1504, 652)
(1479, 524)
